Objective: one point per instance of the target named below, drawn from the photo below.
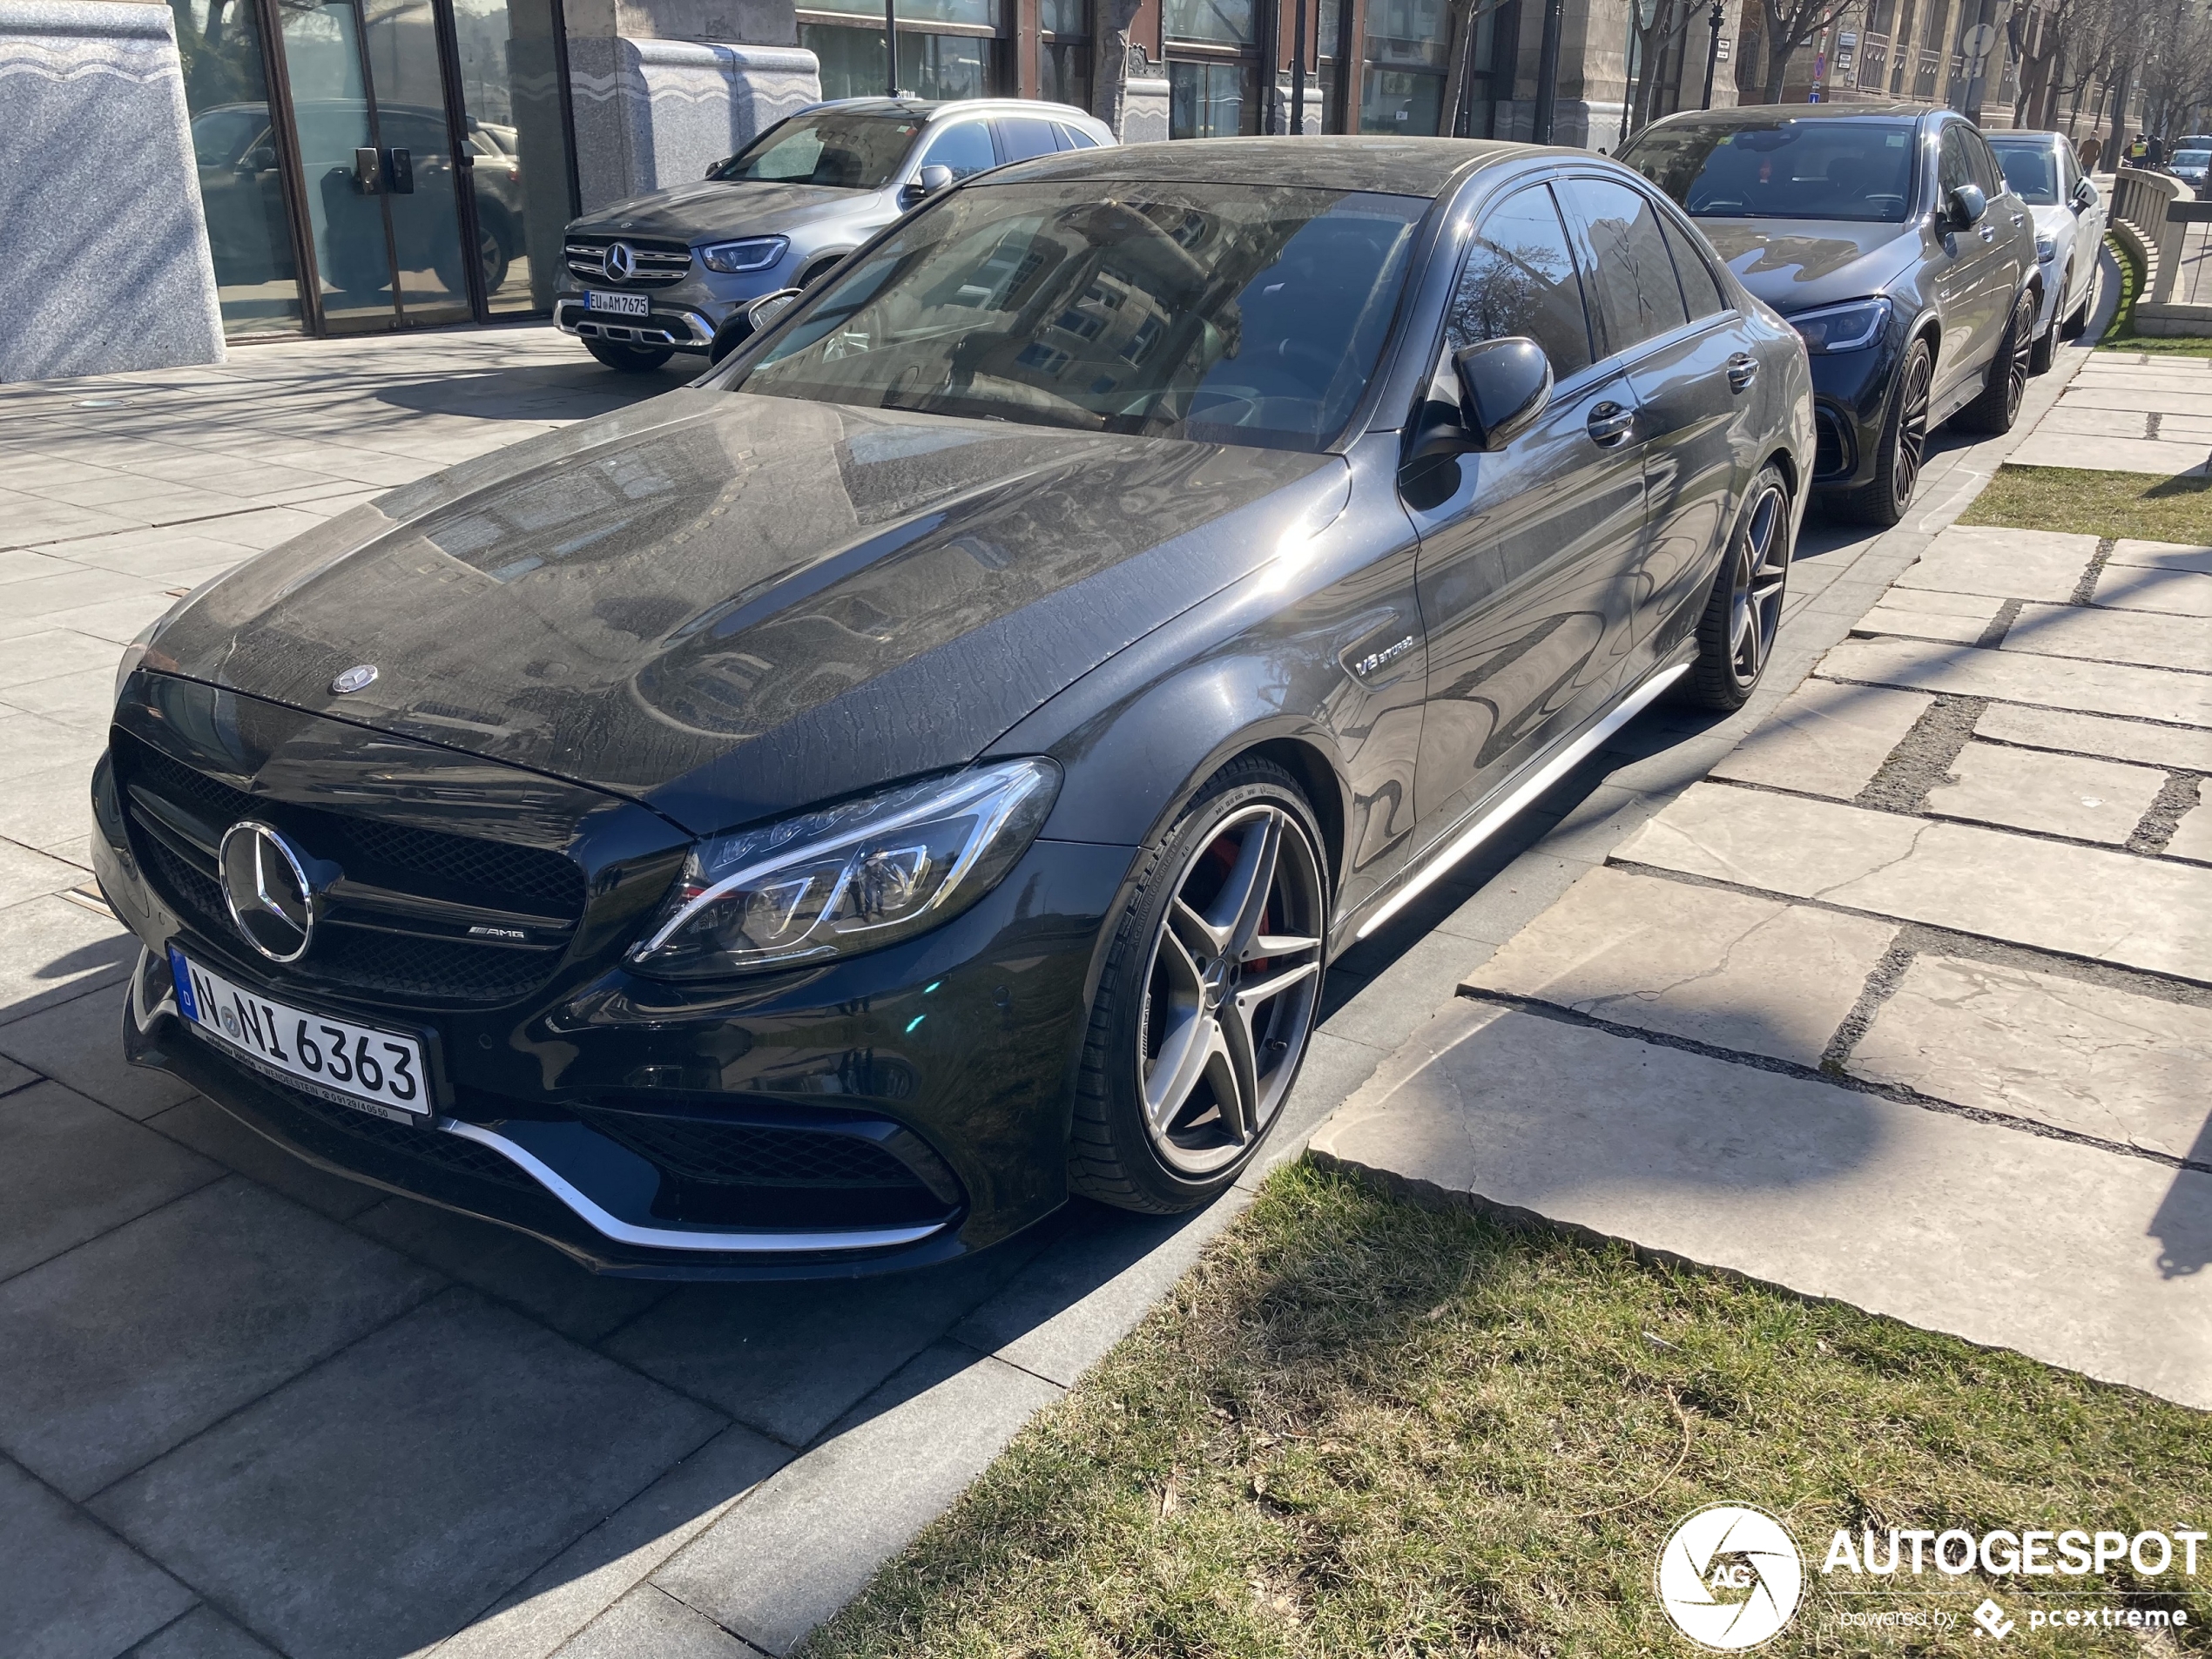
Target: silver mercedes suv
(664, 273)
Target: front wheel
(1998, 406)
(1744, 613)
(1883, 500)
(1209, 997)
(631, 359)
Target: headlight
(2046, 247)
(734, 259)
(133, 654)
(849, 878)
(1842, 327)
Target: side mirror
(713, 167)
(261, 160)
(1966, 205)
(927, 183)
(1504, 385)
(747, 320)
(2085, 196)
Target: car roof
(1348, 161)
(1749, 115)
(2024, 135)
(930, 109)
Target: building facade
(347, 166)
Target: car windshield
(2192, 158)
(1858, 169)
(1233, 313)
(839, 149)
(2031, 170)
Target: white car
(2069, 230)
(2190, 166)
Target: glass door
(377, 167)
(506, 58)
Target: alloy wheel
(2023, 342)
(1755, 587)
(1912, 428)
(1232, 989)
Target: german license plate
(362, 1066)
(622, 305)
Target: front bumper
(1851, 394)
(677, 327)
(577, 1114)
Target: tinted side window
(1986, 172)
(965, 147)
(1023, 136)
(1700, 290)
(1519, 280)
(1954, 166)
(1078, 138)
(1630, 274)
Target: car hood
(707, 207)
(728, 606)
(1795, 264)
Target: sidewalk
(1910, 1004)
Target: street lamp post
(891, 45)
(1548, 72)
(1713, 51)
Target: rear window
(1791, 169)
(2031, 170)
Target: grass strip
(2130, 505)
(1363, 1427)
(2119, 334)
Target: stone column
(108, 265)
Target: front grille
(1831, 446)
(752, 1155)
(358, 946)
(428, 1146)
(657, 264)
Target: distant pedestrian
(2090, 152)
(2138, 151)
(2156, 149)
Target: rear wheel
(1209, 997)
(1998, 406)
(2046, 343)
(1903, 441)
(631, 359)
(1744, 613)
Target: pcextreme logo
(1729, 1577)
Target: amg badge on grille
(357, 677)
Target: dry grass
(2131, 504)
(1360, 1428)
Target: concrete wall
(650, 113)
(108, 267)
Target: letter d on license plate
(362, 1066)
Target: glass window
(839, 150)
(1954, 162)
(1212, 100)
(1798, 168)
(1075, 138)
(2031, 170)
(1065, 78)
(1987, 174)
(1520, 279)
(964, 146)
(241, 191)
(1628, 271)
(983, 12)
(510, 91)
(1227, 22)
(938, 67)
(1402, 83)
(1701, 290)
(1232, 313)
(1023, 136)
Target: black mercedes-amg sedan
(814, 821)
(1887, 235)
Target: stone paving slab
(2186, 458)
(2098, 635)
(2162, 556)
(2177, 593)
(67, 1585)
(71, 1170)
(2192, 837)
(2089, 1058)
(2077, 901)
(2022, 676)
(1780, 1177)
(2085, 801)
(2154, 745)
(1826, 738)
(2005, 563)
(1752, 975)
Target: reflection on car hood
(706, 207)
(728, 606)
(1795, 264)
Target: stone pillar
(651, 113)
(108, 265)
(1145, 109)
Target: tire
(2078, 325)
(2046, 343)
(1998, 406)
(631, 360)
(1197, 1032)
(1744, 613)
(1884, 499)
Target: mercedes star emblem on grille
(357, 677)
(267, 889)
(621, 261)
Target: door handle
(1743, 369)
(369, 172)
(1609, 424)
(399, 171)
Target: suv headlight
(734, 259)
(1844, 328)
(2046, 247)
(848, 878)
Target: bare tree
(1109, 58)
(1789, 25)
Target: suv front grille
(398, 924)
(657, 264)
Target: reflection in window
(1226, 23)
(241, 191)
(930, 66)
(1520, 279)
(1211, 100)
(510, 91)
(1063, 53)
(1402, 91)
